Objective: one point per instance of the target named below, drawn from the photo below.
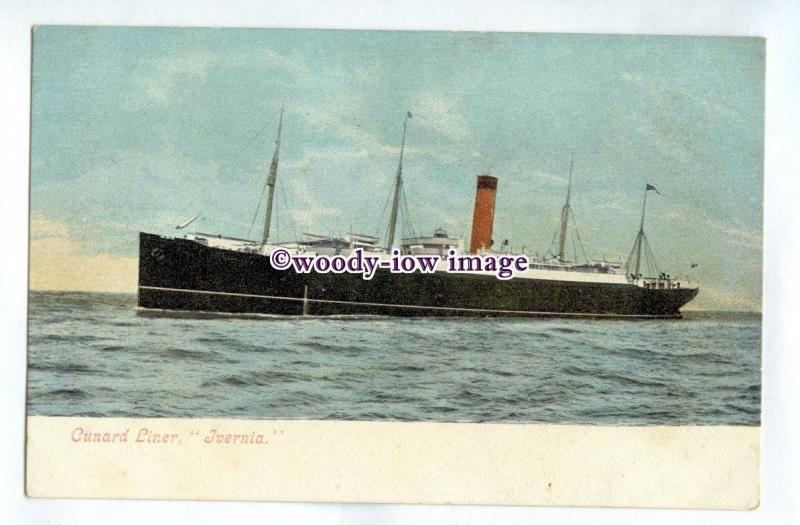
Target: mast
(640, 235)
(641, 238)
(562, 240)
(273, 174)
(398, 186)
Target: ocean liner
(213, 273)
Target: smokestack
(483, 217)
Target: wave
(72, 393)
(66, 338)
(565, 330)
(175, 353)
(74, 368)
(264, 378)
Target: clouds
(713, 299)
(340, 120)
(736, 234)
(59, 262)
(165, 79)
(162, 84)
(309, 211)
(42, 228)
(441, 114)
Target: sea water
(97, 355)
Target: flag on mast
(651, 187)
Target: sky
(137, 129)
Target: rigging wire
(577, 234)
(253, 139)
(651, 256)
(406, 214)
(580, 244)
(383, 212)
(277, 220)
(650, 265)
(402, 218)
(260, 200)
(574, 250)
(630, 264)
(292, 223)
(553, 242)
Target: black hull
(179, 274)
